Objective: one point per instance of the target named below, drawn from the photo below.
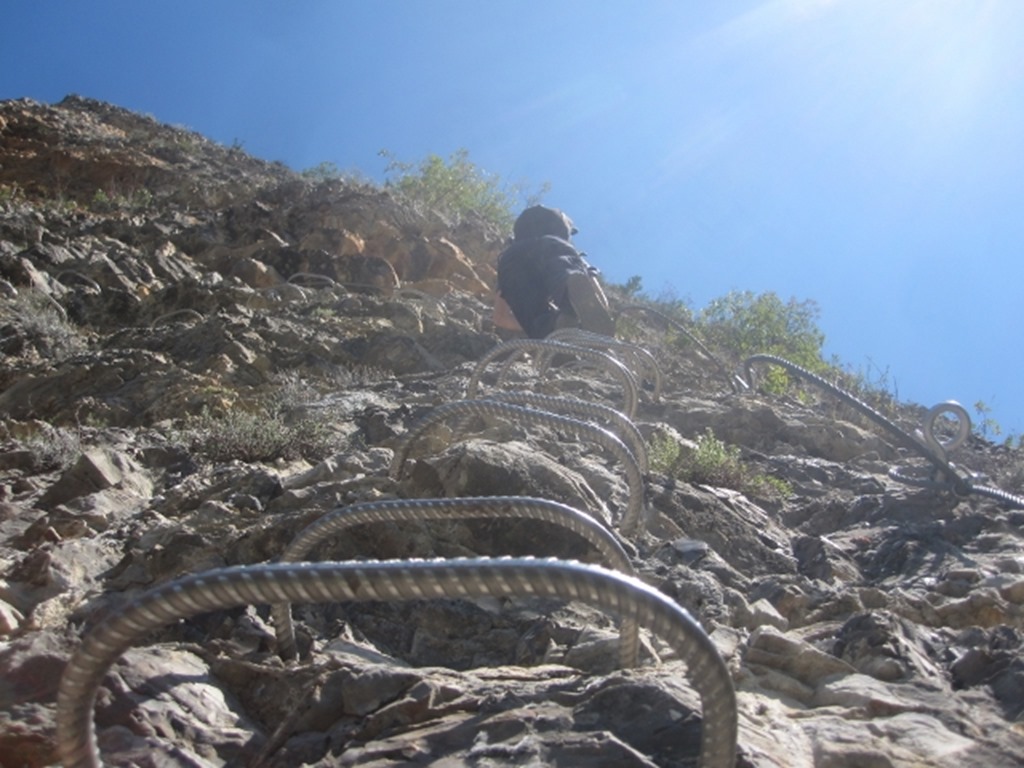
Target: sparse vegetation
(11, 193)
(985, 426)
(358, 376)
(633, 287)
(456, 187)
(713, 462)
(104, 201)
(748, 323)
(329, 171)
(743, 323)
(869, 383)
(323, 314)
(53, 449)
(33, 320)
(257, 435)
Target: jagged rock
(31, 667)
(485, 468)
(164, 686)
(399, 353)
(768, 647)
(18, 270)
(144, 281)
(255, 273)
(743, 534)
(339, 241)
(887, 647)
(819, 558)
(1013, 593)
(96, 470)
(10, 619)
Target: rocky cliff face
(203, 353)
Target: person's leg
(589, 303)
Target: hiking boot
(590, 305)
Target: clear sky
(866, 154)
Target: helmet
(539, 220)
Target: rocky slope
(203, 353)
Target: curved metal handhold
(367, 287)
(960, 484)
(736, 383)
(545, 355)
(633, 518)
(88, 282)
(310, 278)
(999, 495)
(227, 588)
(416, 293)
(963, 419)
(54, 304)
(641, 358)
(466, 507)
(191, 314)
(619, 422)
(602, 359)
(279, 291)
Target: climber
(546, 282)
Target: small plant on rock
(34, 321)
(264, 433)
(664, 454)
(986, 427)
(713, 462)
(11, 193)
(746, 323)
(53, 449)
(113, 200)
(456, 187)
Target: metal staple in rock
(928, 446)
(415, 293)
(56, 305)
(80, 278)
(621, 424)
(466, 507)
(632, 520)
(312, 278)
(228, 588)
(545, 355)
(902, 437)
(517, 347)
(191, 314)
(640, 358)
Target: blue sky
(866, 154)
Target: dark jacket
(532, 276)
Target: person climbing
(546, 282)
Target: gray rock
(865, 622)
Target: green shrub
(11, 193)
(456, 187)
(746, 323)
(664, 455)
(713, 462)
(263, 434)
(134, 201)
